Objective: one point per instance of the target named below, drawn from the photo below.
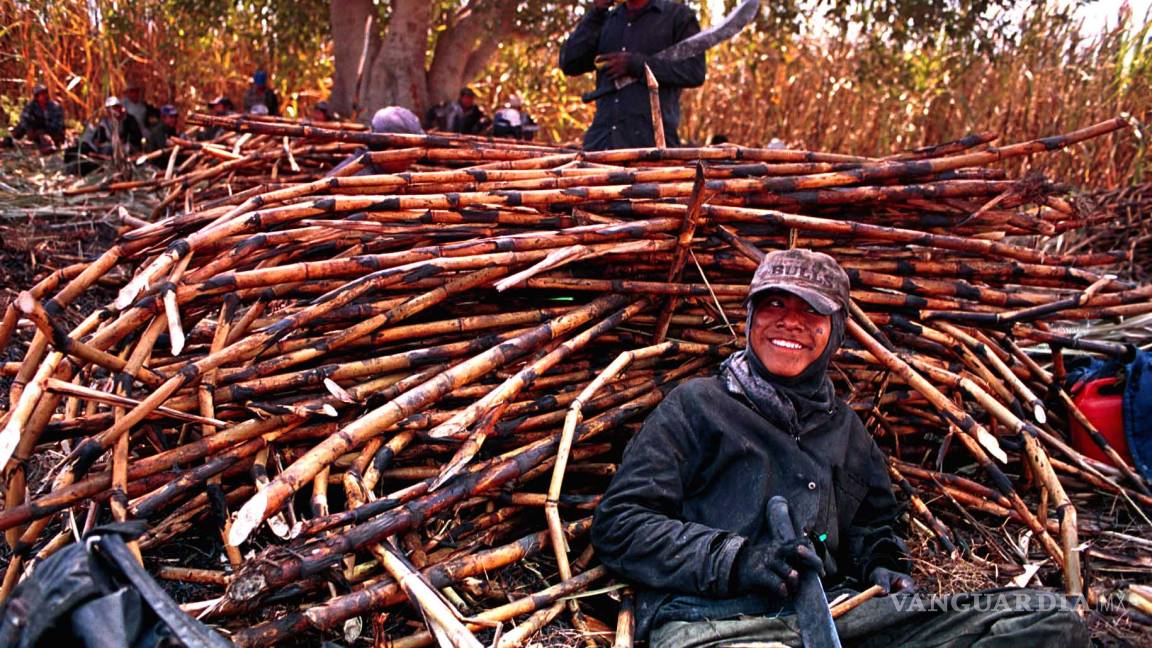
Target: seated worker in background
(390, 119)
(465, 115)
(114, 129)
(219, 107)
(513, 121)
(260, 93)
(618, 42)
(685, 520)
(168, 126)
(41, 122)
(138, 108)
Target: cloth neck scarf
(797, 404)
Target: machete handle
(780, 518)
(593, 95)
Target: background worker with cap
(466, 116)
(260, 93)
(113, 128)
(41, 121)
(168, 126)
(513, 121)
(390, 119)
(220, 107)
(685, 517)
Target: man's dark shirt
(624, 118)
(34, 119)
(693, 488)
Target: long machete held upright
(817, 629)
(732, 24)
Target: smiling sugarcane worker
(684, 518)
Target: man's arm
(637, 530)
(27, 121)
(578, 54)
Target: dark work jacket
(694, 486)
(624, 119)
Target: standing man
(41, 121)
(260, 93)
(617, 42)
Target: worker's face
(466, 101)
(169, 120)
(319, 115)
(219, 109)
(116, 112)
(787, 333)
(42, 99)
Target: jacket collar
(653, 5)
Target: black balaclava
(796, 403)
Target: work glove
(772, 567)
(892, 581)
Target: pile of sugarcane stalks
(1128, 232)
(383, 405)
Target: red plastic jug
(1103, 405)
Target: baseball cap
(40, 87)
(814, 277)
(221, 100)
(111, 102)
(260, 77)
(168, 110)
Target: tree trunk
(467, 45)
(347, 18)
(398, 76)
(394, 70)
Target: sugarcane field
(489, 323)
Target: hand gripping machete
(695, 44)
(817, 629)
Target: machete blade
(699, 43)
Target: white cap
(396, 119)
(111, 101)
(259, 109)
